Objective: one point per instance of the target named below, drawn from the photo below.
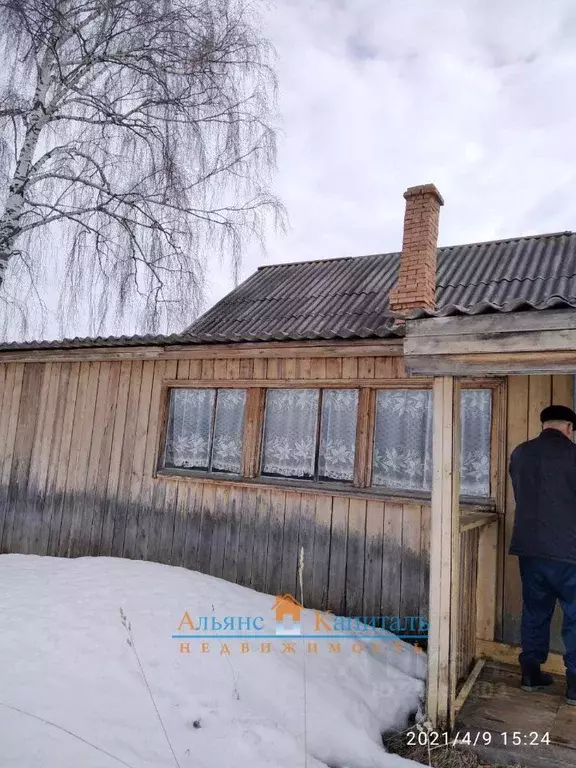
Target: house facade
(283, 422)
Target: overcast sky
(476, 96)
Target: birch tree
(137, 143)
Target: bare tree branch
(143, 144)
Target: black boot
(533, 679)
(571, 689)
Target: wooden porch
(480, 699)
(496, 706)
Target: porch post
(444, 553)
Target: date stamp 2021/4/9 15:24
(425, 738)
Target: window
(402, 457)
(205, 429)
(310, 433)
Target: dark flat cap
(558, 413)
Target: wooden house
(286, 418)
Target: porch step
(497, 705)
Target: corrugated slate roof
(348, 298)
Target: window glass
(338, 434)
(476, 427)
(228, 430)
(205, 429)
(402, 457)
(403, 440)
(290, 426)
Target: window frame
(318, 437)
(496, 387)
(366, 417)
(163, 467)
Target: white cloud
(379, 95)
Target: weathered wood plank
(373, 558)
(246, 537)
(424, 561)
(517, 432)
(106, 546)
(486, 586)
(494, 364)
(61, 377)
(275, 542)
(304, 368)
(128, 444)
(411, 548)
(100, 482)
(82, 542)
(233, 369)
(89, 430)
(63, 459)
(338, 548)
(231, 554)
(563, 390)
(290, 544)
(366, 367)
(245, 368)
(193, 512)
(364, 438)
(151, 492)
(321, 560)
(318, 368)
(444, 555)
(8, 416)
(207, 371)
(221, 522)
(333, 367)
(384, 368)
(306, 533)
(206, 528)
(392, 559)
(31, 514)
(73, 483)
(220, 369)
(539, 397)
(497, 323)
(261, 537)
(260, 368)
(17, 522)
(355, 557)
(278, 349)
(470, 344)
(350, 368)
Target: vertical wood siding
(527, 396)
(467, 629)
(78, 445)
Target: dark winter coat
(543, 473)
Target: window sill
(305, 486)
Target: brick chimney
(416, 284)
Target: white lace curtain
(403, 441)
(291, 433)
(198, 437)
(338, 434)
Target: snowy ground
(65, 661)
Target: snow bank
(64, 658)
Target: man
(543, 473)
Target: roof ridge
(566, 232)
(322, 261)
(507, 239)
